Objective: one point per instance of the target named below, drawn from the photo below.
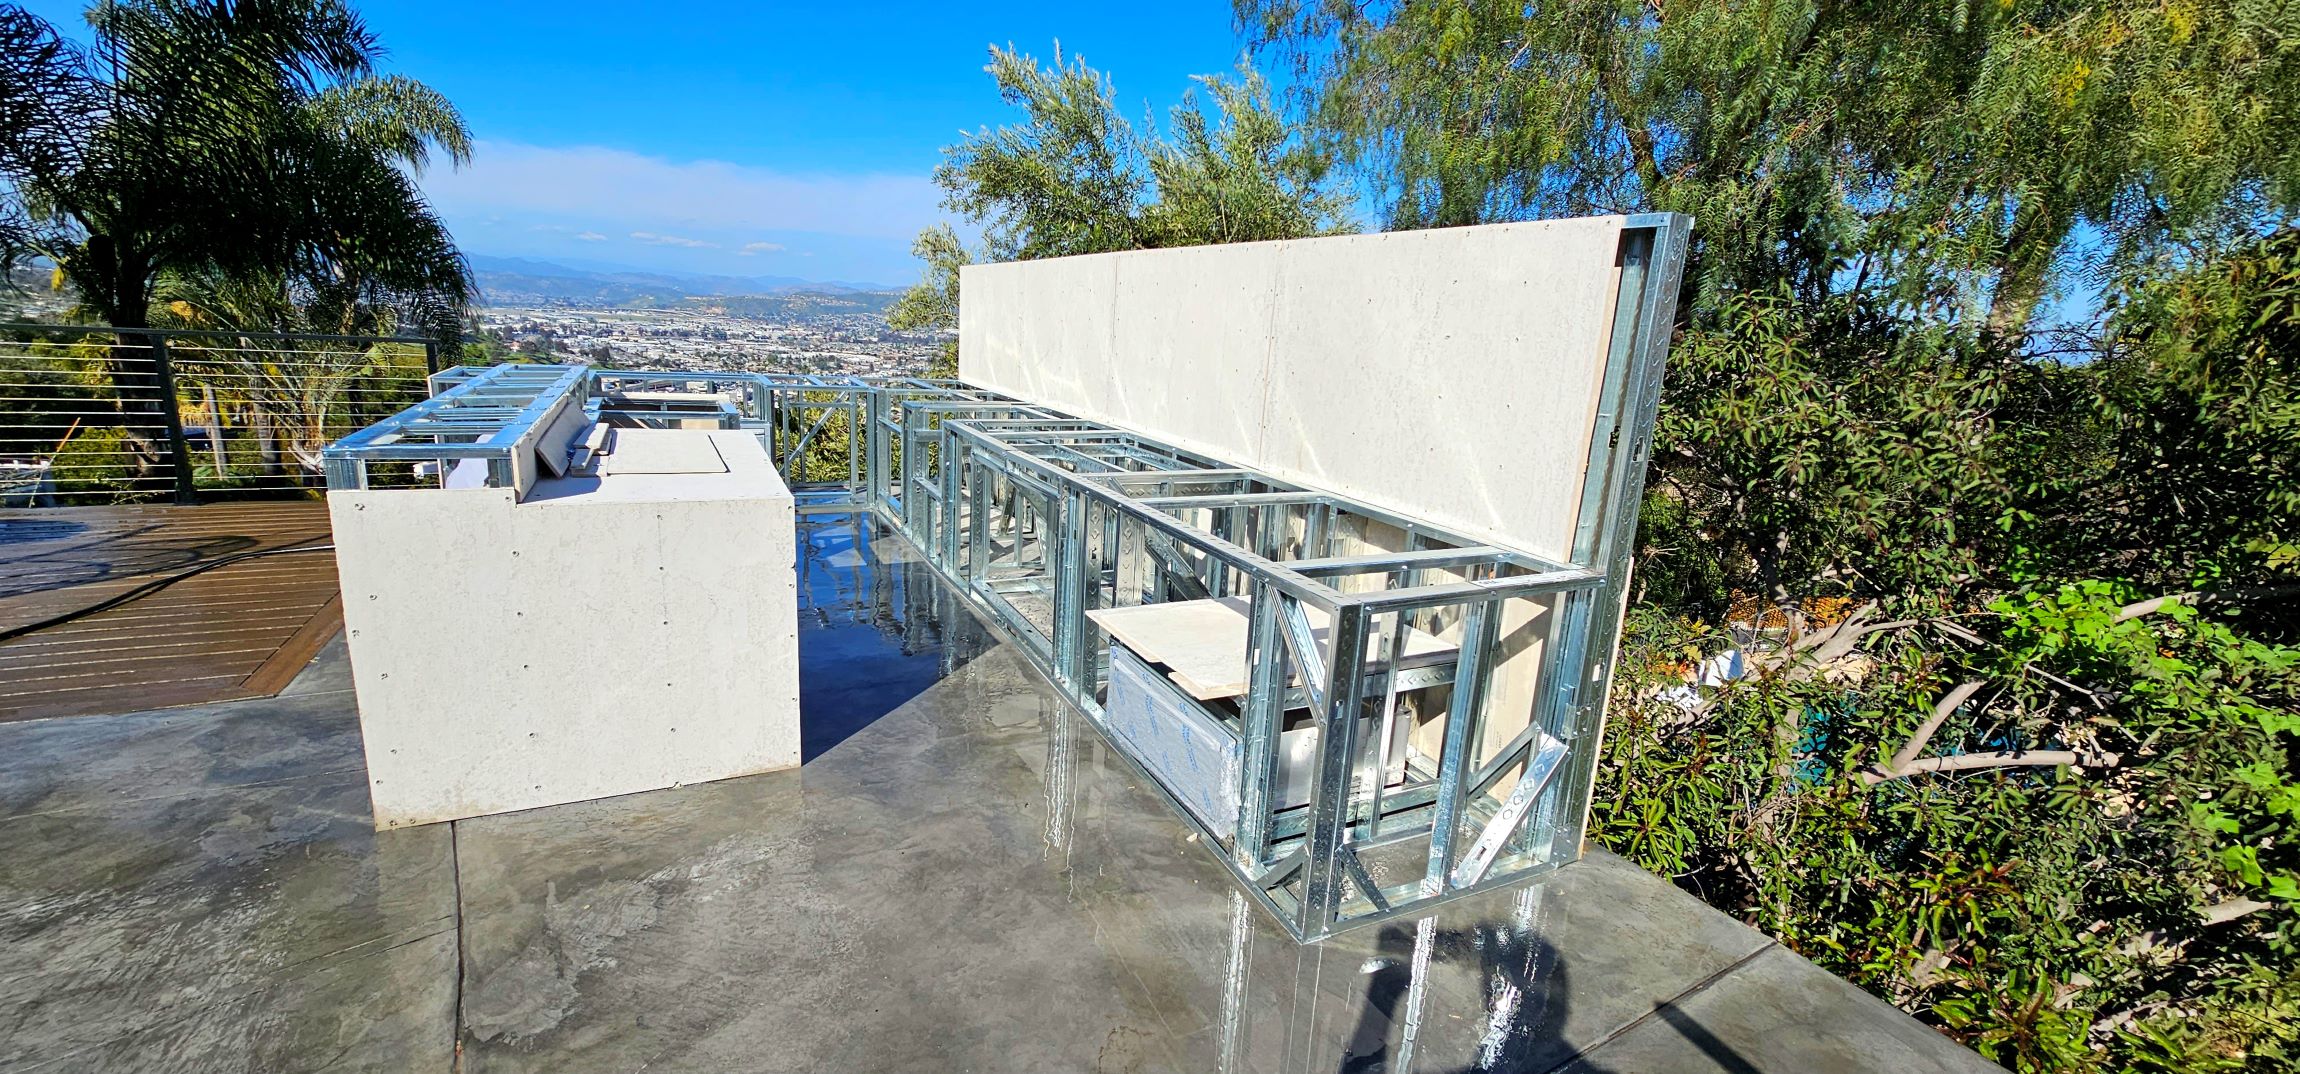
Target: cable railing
(92, 414)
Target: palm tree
(209, 142)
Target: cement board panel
(1449, 374)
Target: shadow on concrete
(1526, 984)
(1719, 1052)
(873, 634)
(1527, 989)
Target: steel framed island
(1372, 676)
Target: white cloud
(652, 239)
(591, 236)
(750, 248)
(665, 197)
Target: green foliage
(55, 411)
(1826, 440)
(227, 165)
(932, 304)
(274, 408)
(1068, 180)
(1962, 155)
(2018, 745)
(2057, 917)
(1074, 177)
(207, 147)
(1242, 179)
(2089, 862)
(2198, 440)
(828, 431)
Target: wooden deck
(234, 631)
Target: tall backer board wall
(1451, 374)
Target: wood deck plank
(274, 674)
(238, 630)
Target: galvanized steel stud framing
(1039, 517)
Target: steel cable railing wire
(254, 406)
(254, 410)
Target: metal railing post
(172, 419)
(430, 357)
(876, 465)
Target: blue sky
(746, 139)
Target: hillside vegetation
(1976, 453)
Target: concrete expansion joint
(1678, 1000)
(455, 875)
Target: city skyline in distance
(596, 272)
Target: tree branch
(2201, 596)
(1999, 759)
(2156, 604)
(2221, 913)
(2096, 698)
(1829, 644)
(1958, 632)
(1946, 707)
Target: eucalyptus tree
(2016, 749)
(1074, 176)
(1967, 156)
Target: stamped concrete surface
(962, 877)
(201, 889)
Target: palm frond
(394, 116)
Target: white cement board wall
(599, 636)
(1451, 375)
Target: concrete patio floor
(961, 877)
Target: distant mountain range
(525, 281)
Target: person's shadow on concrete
(1527, 990)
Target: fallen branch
(1948, 705)
(2221, 913)
(1958, 632)
(1826, 646)
(2157, 604)
(2196, 597)
(2096, 698)
(1963, 762)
